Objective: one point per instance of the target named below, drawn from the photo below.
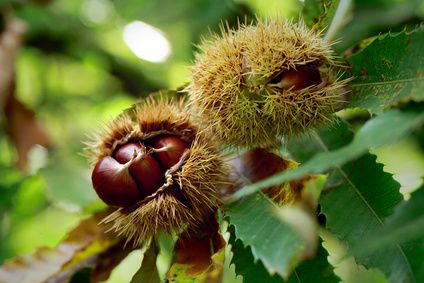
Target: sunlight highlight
(147, 42)
(97, 12)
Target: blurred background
(68, 67)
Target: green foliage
(361, 194)
(370, 18)
(319, 13)
(271, 240)
(313, 270)
(148, 271)
(388, 71)
(316, 269)
(303, 147)
(246, 266)
(357, 198)
(11, 181)
(403, 230)
(402, 226)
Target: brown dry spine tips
(160, 172)
(274, 79)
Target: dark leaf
(253, 271)
(82, 276)
(148, 273)
(314, 270)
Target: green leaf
(404, 227)
(10, 183)
(361, 196)
(303, 147)
(389, 70)
(319, 13)
(272, 240)
(82, 276)
(419, 135)
(370, 18)
(414, 251)
(381, 200)
(148, 273)
(245, 265)
(314, 270)
(383, 129)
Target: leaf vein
(387, 82)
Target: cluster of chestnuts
(136, 169)
(157, 168)
(159, 163)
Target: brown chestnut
(169, 150)
(303, 77)
(113, 183)
(133, 173)
(127, 152)
(147, 174)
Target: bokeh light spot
(147, 42)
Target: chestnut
(147, 174)
(169, 149)
(114, 184)
(135, 171)
(127, 152)
(304, 76)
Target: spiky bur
(260, 82)
(154, 165)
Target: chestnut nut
(304, 76)
(136, 169)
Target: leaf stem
(339, 19)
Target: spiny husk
(231, 91)
(198, 181)
(151, 117)
(191, 189)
